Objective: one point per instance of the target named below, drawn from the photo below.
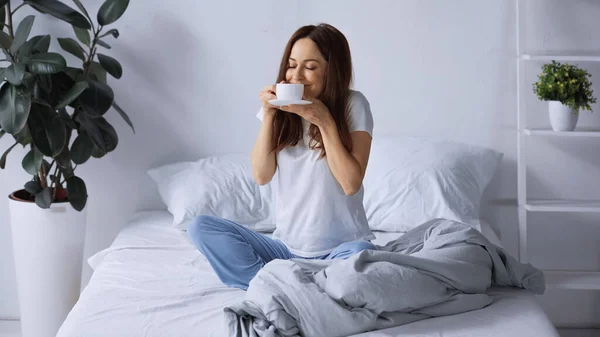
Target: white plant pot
(48, 252)
(562, 117)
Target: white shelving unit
(563, 58)
(563, 279)
(581, 132)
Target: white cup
(289, 91)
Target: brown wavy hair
(287, 127)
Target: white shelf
(579, 132)
(579, 280)
(561, 279)
(563, 205)
(572, 58)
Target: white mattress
(152, 282)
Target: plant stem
(92, 52)
(16, 9)
(42, 176)
(10, 21)
(54, 183)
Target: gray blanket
(440, 268)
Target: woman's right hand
(267, 94)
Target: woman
(320, 152)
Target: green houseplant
(568, 89)
(57, 112)
(45, 104)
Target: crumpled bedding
(442, 267)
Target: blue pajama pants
(237, 253)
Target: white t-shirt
(314, 215)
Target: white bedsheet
(152, 282)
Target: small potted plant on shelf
(58, 113)
(567, 89)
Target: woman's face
(307, 66)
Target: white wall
(193, 69)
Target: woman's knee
(354, 247)
(202, 227)
(358, 246)
(201, 223)
(348, 249)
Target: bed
(153, 282)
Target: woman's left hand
(316, 113)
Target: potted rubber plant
(57, 112)
(568, 90)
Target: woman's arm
(348, 168)
(263, 160)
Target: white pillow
(220, 186)
(412, 180)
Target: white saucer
(282, 102)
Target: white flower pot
(48, 252)
(562, 117)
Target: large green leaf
(44, 82)
(82, 9)
(44, 198)
(37, 44)
(83, 35)
(42, 102)
(97, 152)
(61, 83)
(23, 137)
(63, 160)
(72, 94)
(99, 74)
(5, 155)
(50, 89)
(33, 161)
(82, 148)
(39, 93)
(123, 115)
(113, 32)
(46, 63)
(100, 131)
(14, 73)
(111, 65)
(33, 187)
(103, 44)
(71, 46)
(111, 11)
(67, 172)
(48, 132)
(77, 192)
(29, 81)
(3, 13)
(96, 99)
(5, 40)
(22, 33)
(64, 116)
(15, 103)
(109, 133)
(60, 11)
(76, 74)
